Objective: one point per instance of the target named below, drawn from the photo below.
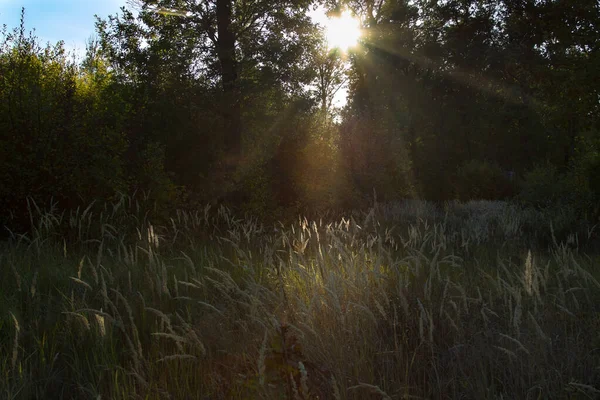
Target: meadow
(407, 300)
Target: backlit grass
(408, 300)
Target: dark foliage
(195, 102)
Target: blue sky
(54, 20)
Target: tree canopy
(196, 101)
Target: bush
(545, 186)
(55, 141)
(577, 188)
(482, 180)
(568, 199)
(585, 174)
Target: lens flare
(342, 32)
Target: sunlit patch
(342, 32)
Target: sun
(342, 32)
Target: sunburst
(342, 32)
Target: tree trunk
(229, 76)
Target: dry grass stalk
(303, 379)
(587, 389)
(15, 351)
(177, 357)
(172, 336)
(336, 389)
(17, 276)
(515, 341)
(529, 274)
(34, 284)
(192, 333)
(83, 283)
(82, 318)
(261, 360)
(100, 323)
(538, 329)
(373, 389)
(510, 353)
(134, 329)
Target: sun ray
(487, 85)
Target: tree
(502, 81)
(330, 70)
(61, 136)
(230, 40)
(229, 75)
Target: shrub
(568, 200)
(585, 173)
(577, 188)
(481, 180)
(546, 186)
(55, 141)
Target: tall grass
(407, 300)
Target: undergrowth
(482, 300)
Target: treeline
(231, 101)
(471, 95)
